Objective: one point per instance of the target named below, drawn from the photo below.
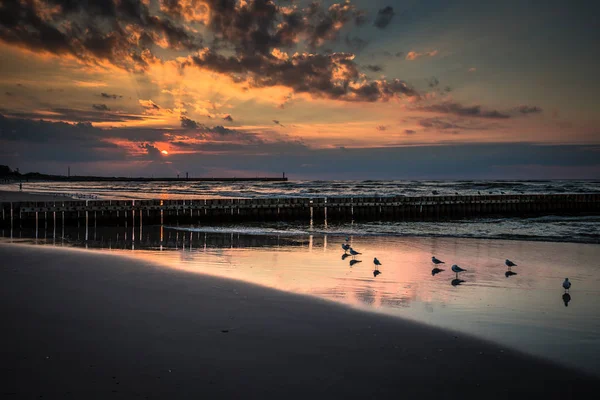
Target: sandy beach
(87, 325)
(6, 195)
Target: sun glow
(164, 152)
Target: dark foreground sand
(81, 325)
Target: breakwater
(426, 208)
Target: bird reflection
(566, 299)
(509, 273)
(376, 272)
(456, 282)
(436, 271)
(352, 262)
(344, 256)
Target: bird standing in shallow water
(353, 252)
(436, 261)
(509, 263)
(377, 264)
(457, 269)
(345, 247)
(567, 284)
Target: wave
(551, 228)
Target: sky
(430, 89)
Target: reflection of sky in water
(525, 311)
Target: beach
(14, 196)
(89, 325)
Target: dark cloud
(384, 17)
(524, 109)
(152, 152)
(374, 68)
(254, 37)
(450, 107)
(381, 127)
(123, 33)
(360, 17)
(439, 123)
(149, 105)
(187, 123)
(276, 122)
(410, 131)
(433, 82)
(51, 146)
(9, 94)
(110, 96)
(100, 107)
(335, 76)
(75, 115)
(356, 43)
(228, 118)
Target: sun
(164, 152)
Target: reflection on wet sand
(524, 311)
(566, 297)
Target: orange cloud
(413, 55)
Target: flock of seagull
(349, 251)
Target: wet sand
(6, 195)
(86, 325)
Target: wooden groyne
(336, 209)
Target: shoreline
(13, 196)
(113, 325)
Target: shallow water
(581, 228)
(526, 311)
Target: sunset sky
(321, 90)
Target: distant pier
(317, 209)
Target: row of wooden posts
(119, 212)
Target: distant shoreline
(139, 179)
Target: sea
(523, 308)
(582, 229)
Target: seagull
(509, 263)
(345, 247)
(376, 261)
(353, 252)
(436, 271)
(457, 269)
(567, 284)
(347, 239)
(436, 261)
